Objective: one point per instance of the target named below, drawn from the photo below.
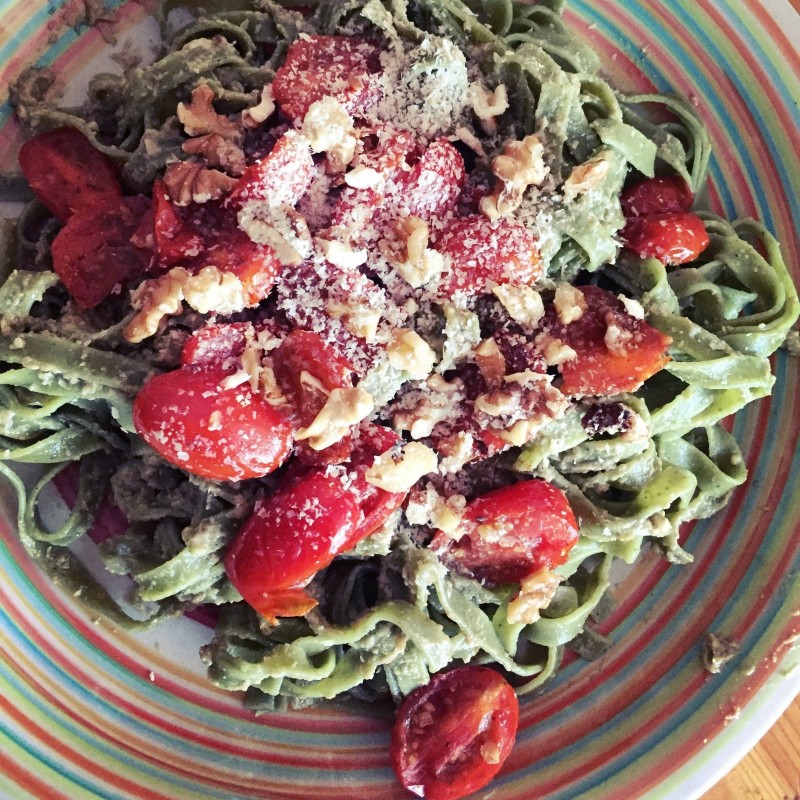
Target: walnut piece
(523, 303)
(218, 152)
(190, 182)
(329, 129)
(409, 352)
(256, 115)
(521, 165)
(488, 105)
(210, 289)
(343, 409)
(198, 117)
(398, 473)
(416, 263)
(586, 176)
(535, 593)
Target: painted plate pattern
(87, 711)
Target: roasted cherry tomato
(93, 253)
(377, 505)
(287, 539)
(674, 238)
(307, 352)
(282, 177)
(194, 422)
(615, 351)
(217, 344)
(663, 195)
(342, 67)
(176, 241)
(67, 172)
(504, 251)
(452, 736)
(434, 184)
(511, 532)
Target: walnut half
(190, 182)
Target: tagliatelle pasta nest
(400, 253)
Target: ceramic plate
(87, 711)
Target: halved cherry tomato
(304, 351)
(282, 177)
(615, 352)
(222, 434)
(377, 505)
(662, 195)
(452, 736)
(504, 251)
(287, 539)
(342, 67)
(511, 532)
(217, 344)
(673, 238)
(434, 184)
(93, 253)
(67, 172)
(176, 240)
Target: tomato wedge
(452, 736)
(510, 533)
(615, 351)
(190, 419)
(504, 251)
(93, 253)
(342, 67)
(287, 539)
(67, 172)
(674, 238)
(662, 195)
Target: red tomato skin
(538, 529)
(175, 240)
(377, 505)
(662, 195)
(306, 351)
(282, 177)
(221, 434)
(673, 238)
(452, 736)
(93, 253)
(289, 537)
(66, 172)
(217, 344)
(596, 370)
(481, 251)
(434, 184)
(321, 66)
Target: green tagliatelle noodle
(393, 614)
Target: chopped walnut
(521, 407)
(535, 593)
(218, 152)
(569, 302)
(329, 129)
(586, 176)
(362, 177)
(456, 450)
(427, 507)
(555, 351)
(343, 409)
(282, 228)
(469, 139)
(523, 303)
(341, 254)
(198, 117)
(410, 353)
(256, 115)
(417, 264)
(423, 409)
(358, 317)
(190, 182)
(398, 473)
(491, 362)
(208, 290)
(488, 105)
(521, 165)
